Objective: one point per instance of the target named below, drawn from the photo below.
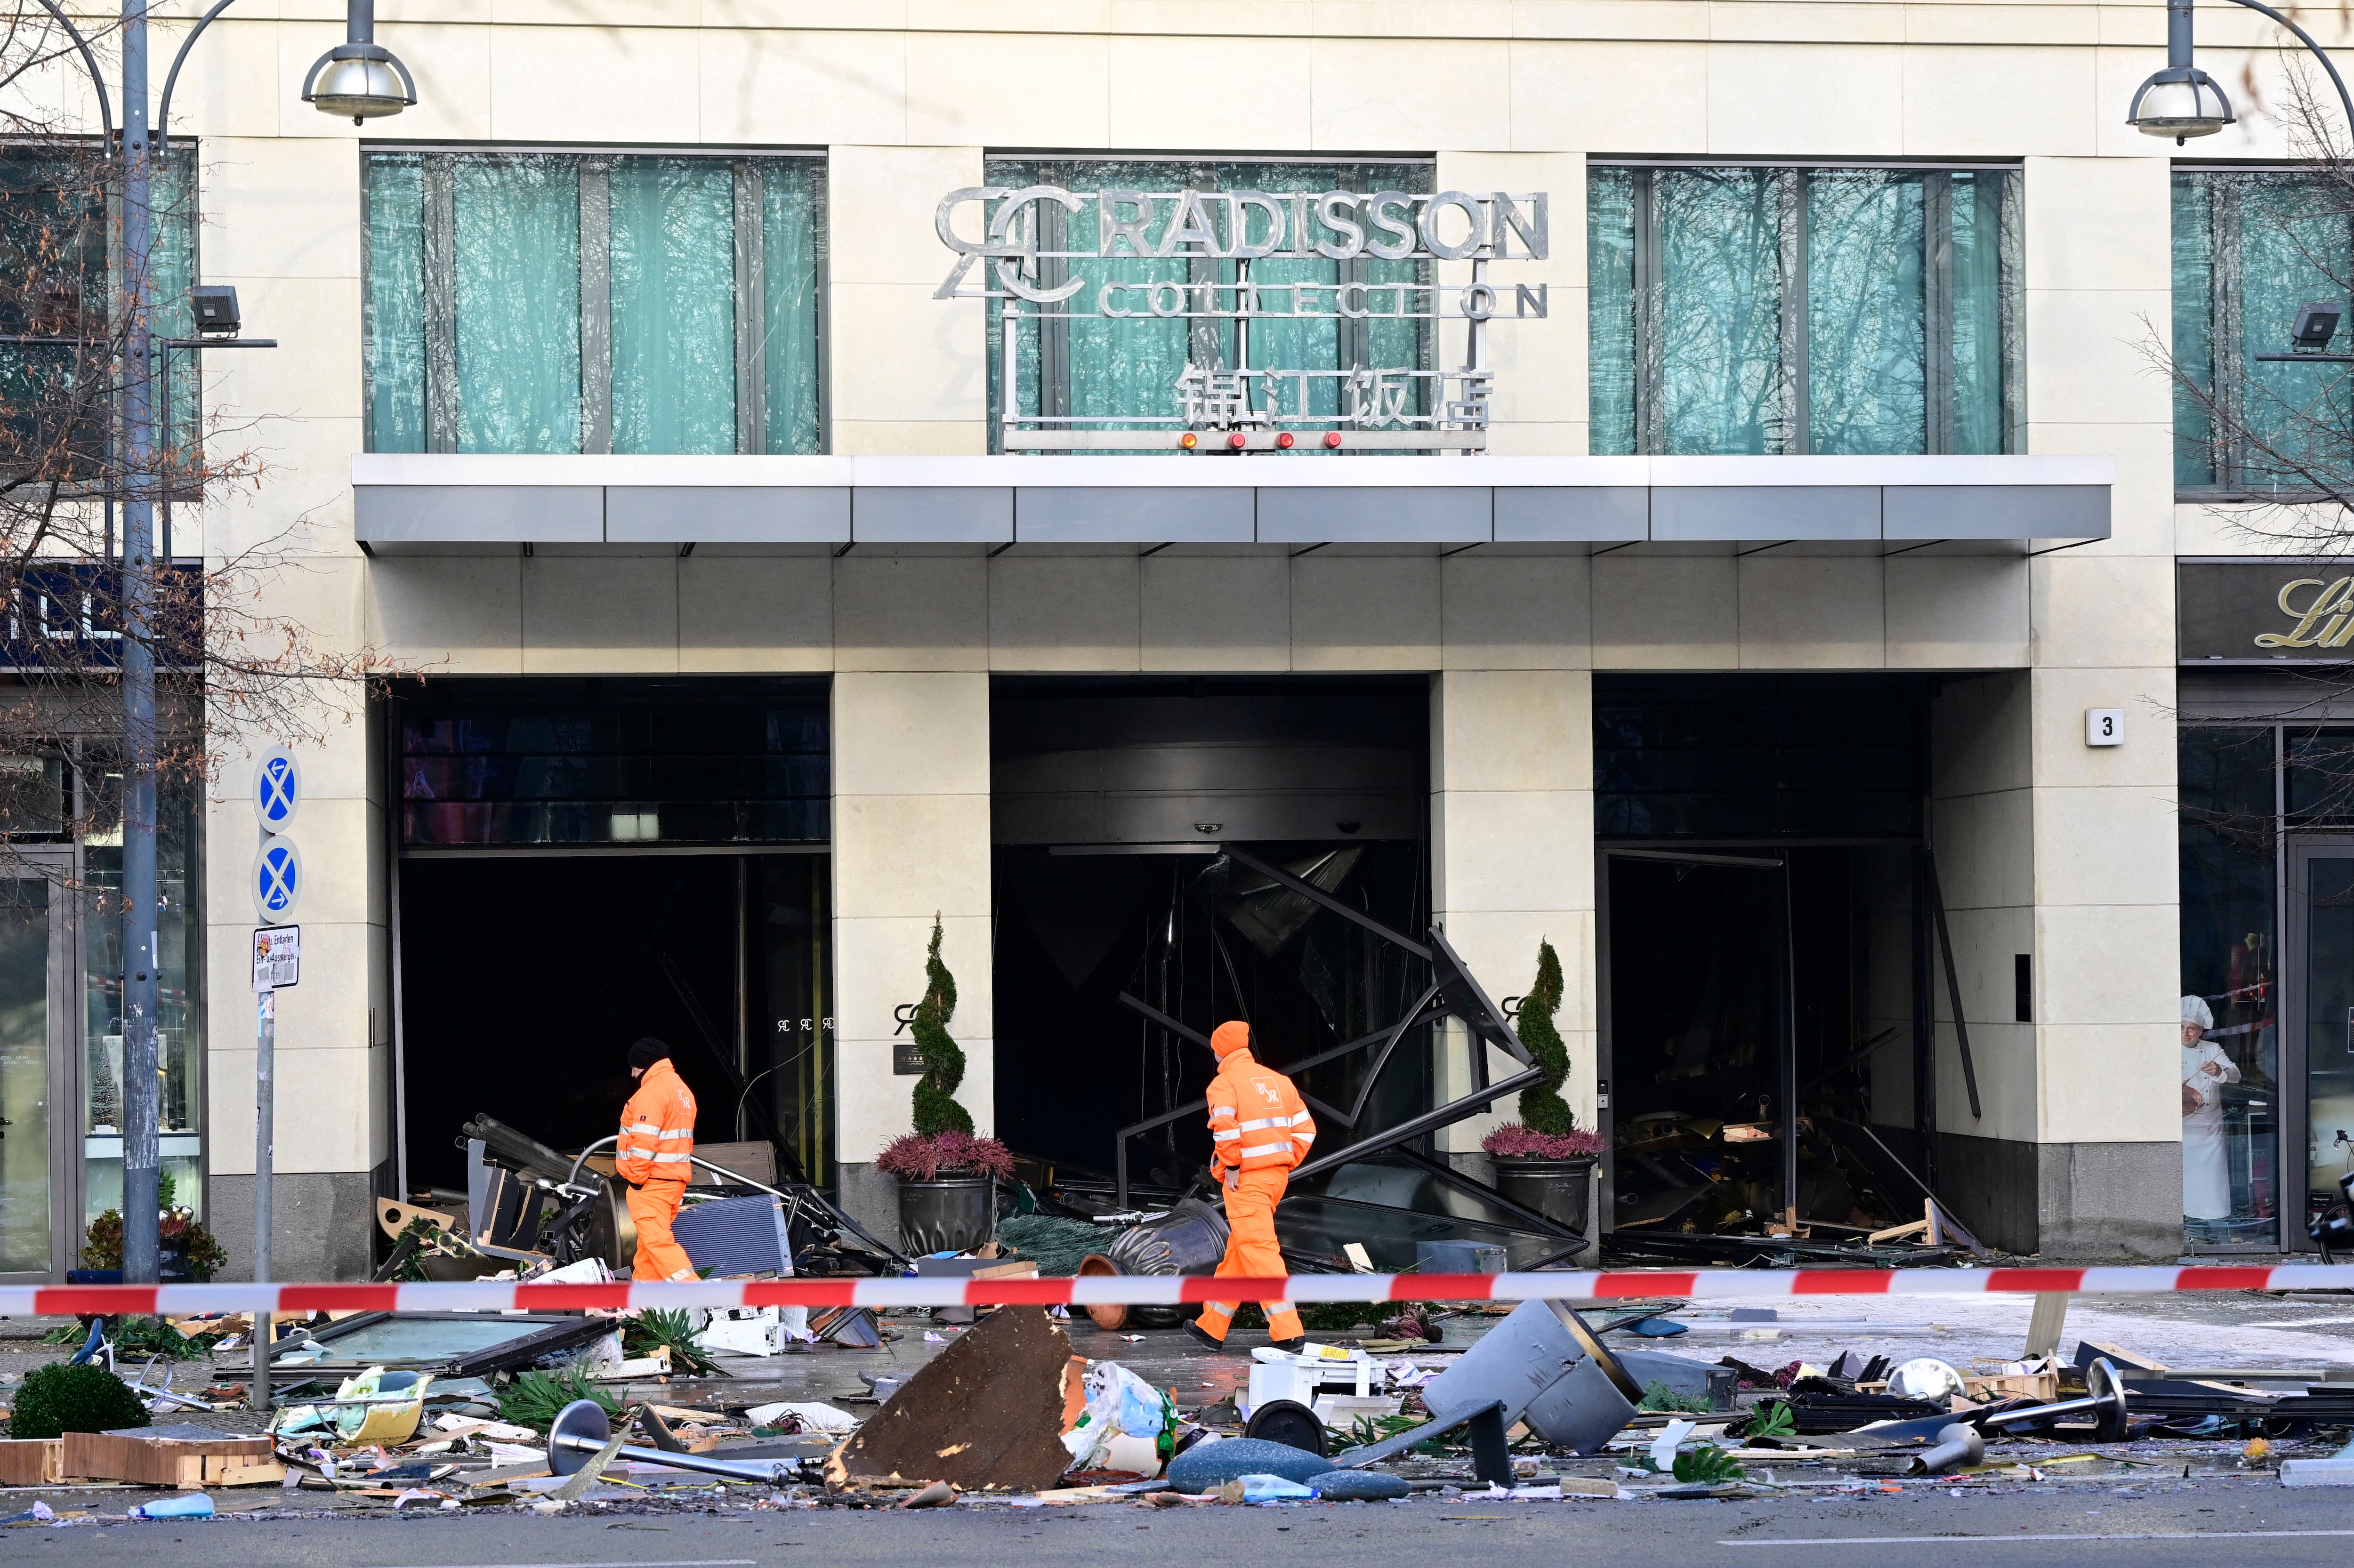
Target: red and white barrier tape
(1716, 1283)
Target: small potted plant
(184, 1249)
(1545, 1161)
(947, 1178)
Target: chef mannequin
(2206, 1174)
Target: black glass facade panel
(607, 762)
(1759, 756)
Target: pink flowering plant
(921, 1157)
(1518, 1140)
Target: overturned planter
(986, 1413)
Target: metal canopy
(424, 500)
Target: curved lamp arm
(97, 78)
(2345, 100)
(164, 110)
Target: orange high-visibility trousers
(652, 1208)
(1252, 1252)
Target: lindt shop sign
(2265, 612)
(1222, 261)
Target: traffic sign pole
(277, 881)
(265, 1103)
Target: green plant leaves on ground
(1658, 1395)
(654, 1327)
(535, 1398)
(1707, 1464)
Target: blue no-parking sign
(277, 878)
(277, 791)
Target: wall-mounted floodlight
(2315, 325)
(359, 77)
(215, 307)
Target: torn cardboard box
(986, 1413)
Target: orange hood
(1230, 1037)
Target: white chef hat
(2196, 1010)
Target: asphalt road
(2253, 1521)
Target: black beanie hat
(647, 1052)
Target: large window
(566, 303)
(2232, 1193)
(2250, 248)
(60, 273)
(1122, 372)
(1751, 309)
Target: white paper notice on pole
(277, 957)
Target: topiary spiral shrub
(936, 1107)
(1542, 1107)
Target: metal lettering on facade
(1029, 241)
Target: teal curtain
(2194, 327)
(1981, 370)
(673, 237)
(1721, 309)
(2294, 249)
(792, 232)
(1126, 369)
(516, 256)
(515, 261)
(1721, 376)
(1866, 383)
(392, 342)
(1610, 304)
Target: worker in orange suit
(657, 1137)
(1259, 1130)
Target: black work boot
(1195, 1331)
(1292, 1343)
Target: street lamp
(2183, 101)
(359, 77)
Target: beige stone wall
(908, 95)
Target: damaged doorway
(1111, 799)
(583, 862)
(1764, 941)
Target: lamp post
(2183, 101)
(351, 79)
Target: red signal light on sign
(1332, 438)
(1284, 440)
(1189, 440)
(1237, 441)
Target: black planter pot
(955, 1213)
(1557, 1189)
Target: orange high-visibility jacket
(1257, 1121)
(657, 1129)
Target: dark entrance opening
(1765, 1044)
(1110, 799)
(582, 863)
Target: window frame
(439, 271)
(1794, 371)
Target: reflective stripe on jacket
(1257, 1121)
(657, 1129)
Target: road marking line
(628, 1563)
(1982, 1540)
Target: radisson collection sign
(1033, 243)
